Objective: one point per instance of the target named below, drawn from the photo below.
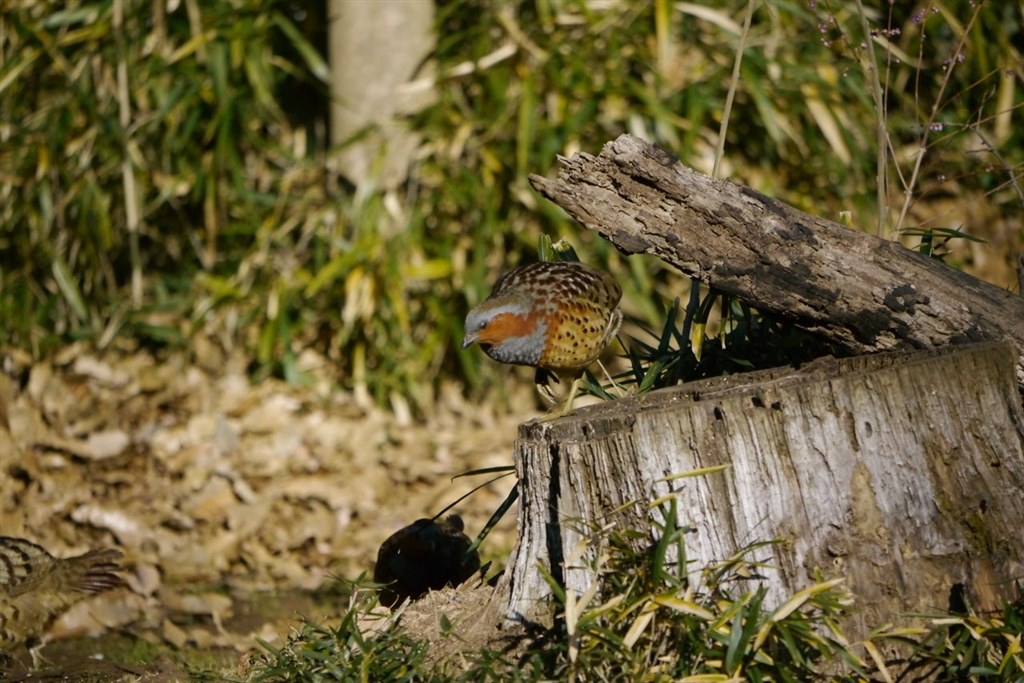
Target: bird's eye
(482, 325)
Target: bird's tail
(93, 572)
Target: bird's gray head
(493, 321)
(506, 331)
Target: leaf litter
(218, 489)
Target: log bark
(903, 472)
(863, 293)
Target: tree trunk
(902, 472)
(377, 49)
(864, 293)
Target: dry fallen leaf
(92, 367)
(210, 604)
(129, 531)
(105, 444)
(96, 615)
(173, 634)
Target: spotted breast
(557, 316)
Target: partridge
(556, 316)
(36, 587)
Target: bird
(36, 587)
(424, 556)
(556, 316)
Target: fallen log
(861, 292)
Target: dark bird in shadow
(424, 556)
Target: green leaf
(315, 63)
(69, 288)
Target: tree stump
(902, 471)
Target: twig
(881, 130)
(131, 195)
(908, 194)
(733, 83)
(1014, 180)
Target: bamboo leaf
(69, 288)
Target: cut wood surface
(862, 292)
(902, 472)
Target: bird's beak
(468, 340)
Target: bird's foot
(561, 408)
(35, 651)
(544, 379)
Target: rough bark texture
(901, 471)
(862, 292)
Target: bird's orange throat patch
(506, 326)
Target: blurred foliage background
(165, 174)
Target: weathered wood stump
(903, 472)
